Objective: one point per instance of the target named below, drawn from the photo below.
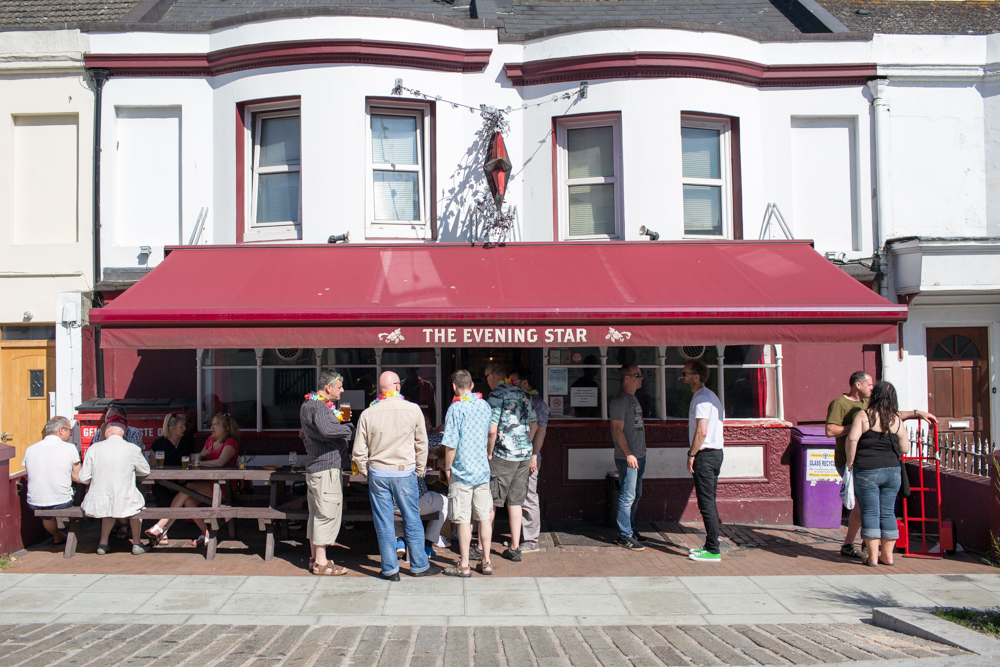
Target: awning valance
(521, 294)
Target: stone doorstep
(920, 622)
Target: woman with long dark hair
(876, 442)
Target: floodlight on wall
(653, 236)
(345, 237)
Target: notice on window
(558, 381)
(556, 406)
(583, 397)
(820, 466)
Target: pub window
(706, 176)
(263, 389)
(589, 168)
(398, 149)
(749, 389)
(275, 172)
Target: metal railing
(956, 451)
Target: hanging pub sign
(497, 169)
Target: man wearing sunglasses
(704, 460)
(629, 434)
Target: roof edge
(690, 26)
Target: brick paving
(32, 644)
(570, 549)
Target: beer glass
(185, 461)
(345, 412)
(196, 461)
(293, 459)
(241, 462)
(160, 457)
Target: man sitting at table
(52, 466)
(326, 440)
(391, 450)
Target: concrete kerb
(920, 622)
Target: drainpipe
(883, 191)
(99, 78)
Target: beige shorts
(325, 497)
(465, 501)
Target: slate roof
(56, 12)
(917, 18)
(520, 19)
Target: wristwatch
(690, 455)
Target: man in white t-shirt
(53, 464)
(705, 456)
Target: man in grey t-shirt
(630, 453)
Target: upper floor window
(706, 177)
(397, 192)
(275, 167)
(590, 177)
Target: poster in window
(558, 381)
(556, 406)
(583, 397)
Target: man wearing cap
(132, 434)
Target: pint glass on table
(185, 462)
(160, 457)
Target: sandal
(882, 562)
(199, 541)
(328, 570)
(155, 535)
(456, 571)
(485, 568)
(868, 563)
(121, 532)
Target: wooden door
(958, 381)
(27, 375)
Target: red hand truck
(925, 496)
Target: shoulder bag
(904, 477)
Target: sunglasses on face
(634, 375)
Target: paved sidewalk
(540, 601)
(593, 646)
(569, 549)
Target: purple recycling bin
(815, 482)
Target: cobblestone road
(28, 645)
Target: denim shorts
(52, 507)
(876, 491)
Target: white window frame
(614, 120)
(268, 231)
(725, 171)
(401, 229)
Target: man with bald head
(390, 449)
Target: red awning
(521, 294)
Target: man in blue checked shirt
(466, 431)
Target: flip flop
(328, 570)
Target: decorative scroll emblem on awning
(497, 169)
(395, 337)
(616, 336)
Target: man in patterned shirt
(532, 519)
(513, 425)
(466, 430)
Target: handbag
(904, 477)
(847, 489)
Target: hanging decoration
(495, 220)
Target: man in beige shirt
(390, 449)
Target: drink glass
(196, 461)
(293, 459)
(354, 468)
(160, 457)
(185, 461)
(241, 461)
(345, 412)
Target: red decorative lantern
(497, 169)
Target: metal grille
(960, 452)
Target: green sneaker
(705, 556)
(696, 550)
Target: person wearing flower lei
(326, 438)
(531, 528)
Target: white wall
(45, 193)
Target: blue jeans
(402, 490)
(876, 491)
(630, 481)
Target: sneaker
(102, 549)
(695, 550)
(705, 556)
(429, 550)
(512, 554)
(475, 553)
(638, 537)
(529, 547)
(400, 548)
(138, 550)
(431, 570)
(629, 542)
(851, 551)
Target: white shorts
(465, 501)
